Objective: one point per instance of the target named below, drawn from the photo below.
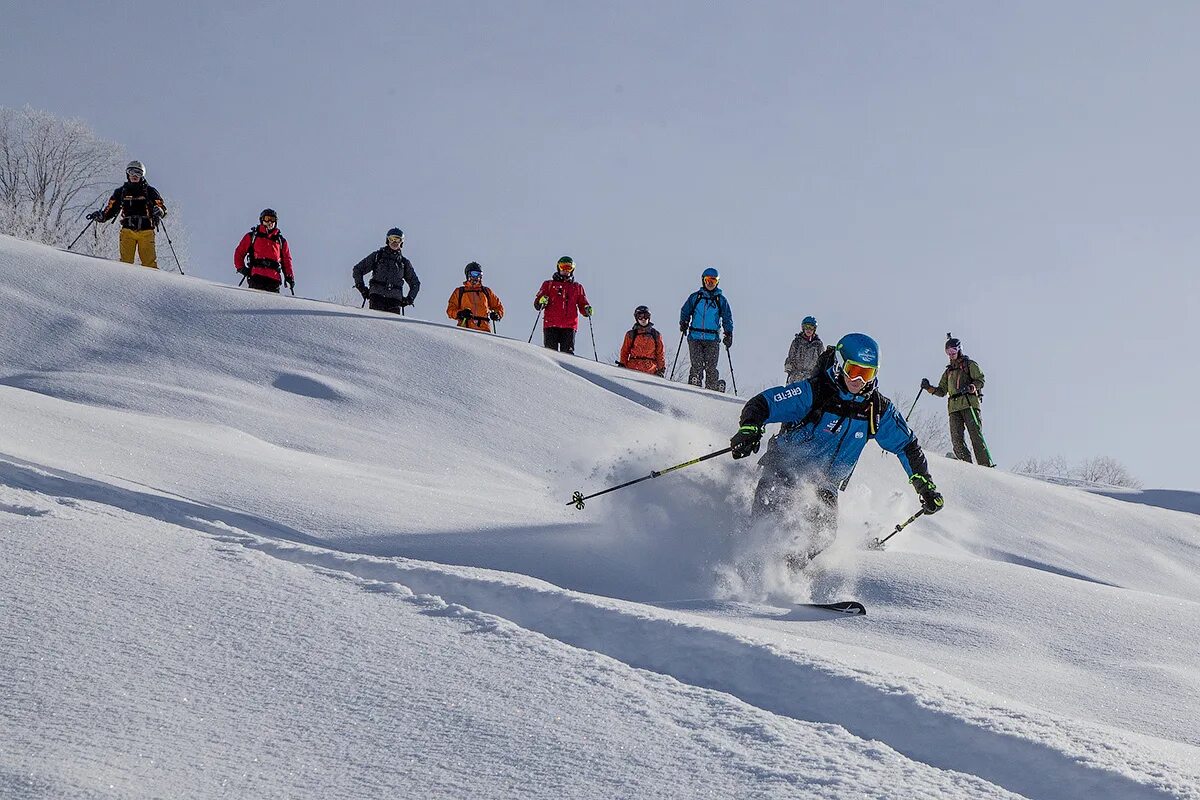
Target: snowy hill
(260, 546)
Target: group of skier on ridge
(829, 407)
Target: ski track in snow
(783, 682)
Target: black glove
(464, 314)
(95, 215)
(157, 213)
(405, 301)
(925, 384)
(364, 291)
(244, 271)
(728, 339)
(746, 441)
(290, 282)
(662, 373)
(683, 327)
(931, 499)
(493, 315)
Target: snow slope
(265, 546)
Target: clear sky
(1020, 173)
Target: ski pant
(705, 355)
(391, 305)
(779, 491)
(560, 339)
(140, 242)
(973, 424)
(263, 284)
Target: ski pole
(91, 222)
(877, 543)
(592, 328)
(534, 328)
(578, 497)
(914, 405)
(171, 245)
(732, 377)
(243, 280)
(364, 303)
(678, 350)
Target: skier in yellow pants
(141, 208)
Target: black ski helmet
(472, 267)
(640, 311)
(268, 212)
(952, 342)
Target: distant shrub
(1101, 470)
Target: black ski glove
(746, 441)
(95, 215)
(931, 499)
(244, 271)
(926, 385)
(493, 315)
(729, 340)
(364, 291)
(464, 314)
(290, 282)
(683, 327)
(404, 301)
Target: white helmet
(136, 166)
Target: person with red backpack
(643, 347)
(263, 257)
(562, 300)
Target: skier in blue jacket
(835, 412)
(703, 315)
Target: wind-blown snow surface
(259, 546)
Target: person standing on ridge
(390, 271)
(643, 346)
(833, 413)
(474, 305)
(562, 300)
(962, 385)
(702, 316)
(806, 349)
(141, 208)
(263, 256)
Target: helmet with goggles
(860, 356)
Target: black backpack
(265, 262)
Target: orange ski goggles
(855, 370)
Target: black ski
(846, 607)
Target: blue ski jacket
(826, 447)
(705, 312)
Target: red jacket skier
(562, 300)
(263, 255)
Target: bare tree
(1105, 470)
(931, 426)
(52, 171)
